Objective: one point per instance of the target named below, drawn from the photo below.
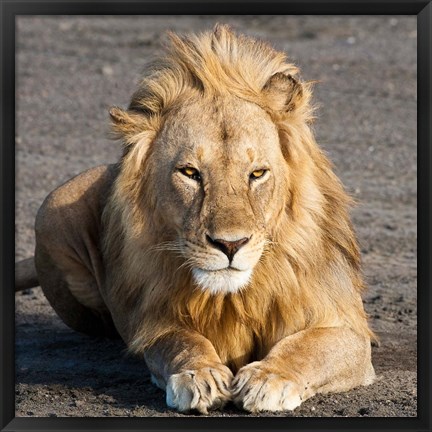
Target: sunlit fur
(309, 273)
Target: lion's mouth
(222, 281)
(229, 268)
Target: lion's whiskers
(188, 264)
(175, 245)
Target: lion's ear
(283, 92)
(126, 124)
(135, 131)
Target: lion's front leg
(299, 366)
(187, 366)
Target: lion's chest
(238, 343)
(235, 345)
(240, 330)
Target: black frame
(10, 8)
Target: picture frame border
(9, 10)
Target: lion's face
(220, 176)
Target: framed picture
(64, 65)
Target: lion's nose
(229, 248)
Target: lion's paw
(202, 389)
(256, 388)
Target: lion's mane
(308, 277)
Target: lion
(220, 246)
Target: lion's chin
(222, 281)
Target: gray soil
(70, 70)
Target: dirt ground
(70, 70)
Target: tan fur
(231, 104)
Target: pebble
(107, 70)
(363, 411)
(65, 25)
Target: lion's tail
(25, 274)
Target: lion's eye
(191, 173)
(257, 174)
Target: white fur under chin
(221, 281)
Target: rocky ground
(70, 70)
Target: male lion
(220, 246)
